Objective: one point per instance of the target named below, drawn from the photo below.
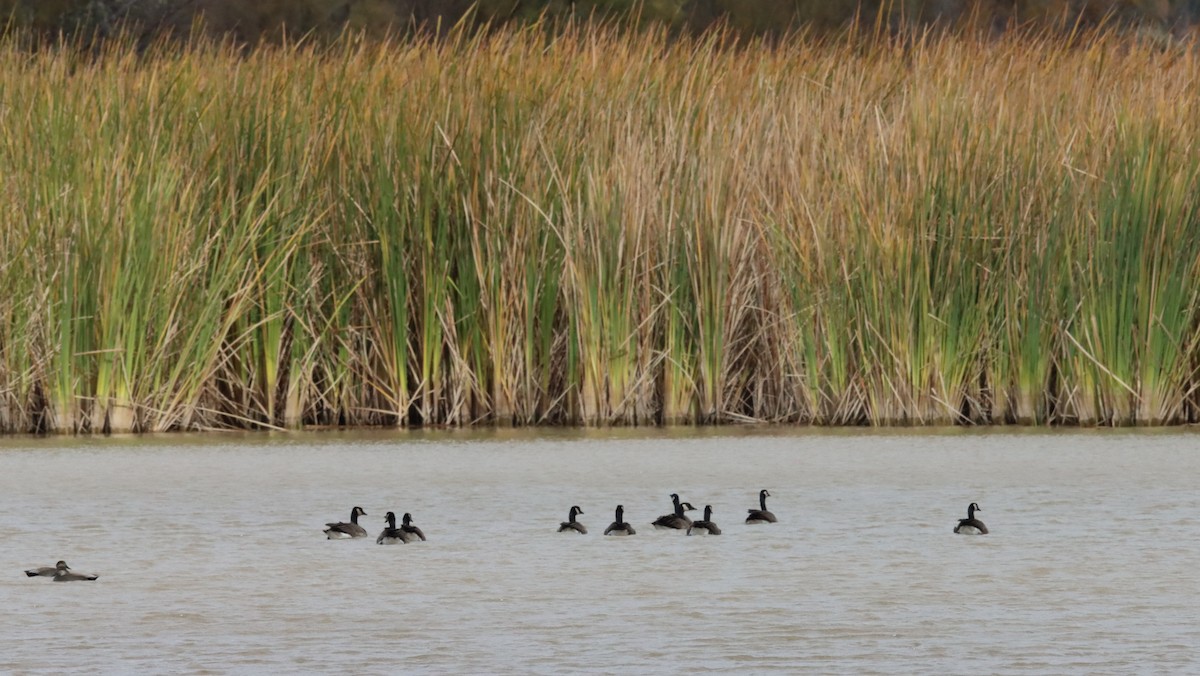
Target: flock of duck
(391, 535)
(676, 520)
(406, 532)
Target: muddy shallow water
(212, 560)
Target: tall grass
(600, 228)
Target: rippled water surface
(212, 560)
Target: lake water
(212, 559)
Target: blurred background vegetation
(255, 20)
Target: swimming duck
(676, 520)
(618, 526)
(761, 515)
(971, 525)
(61, 572)
(390, 535)
(704, 526)
(344, 531)
(409, 532)
(571, 525)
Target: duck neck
(762, 501)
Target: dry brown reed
(601, 228)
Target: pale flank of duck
(390, 535)
(971, 525)
(345, 531)
(571, 525)
(618, 526)
(761, 515)
(705, 526)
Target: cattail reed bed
(599, 228)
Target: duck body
(971, 525)
(409, 532)
(677, 520)
(618, 526)
(48, 571)
(571, 525)
(390, 535)
(704, 526)
(762, 514)
(345, 531)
